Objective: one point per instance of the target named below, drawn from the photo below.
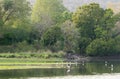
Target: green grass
(31, 60)
(41, 54)
(25, 63)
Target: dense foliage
(95, 25)
(48, 25)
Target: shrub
(6, 49)
(83, 43)
(117, 41)
(101, 47)
(24, 47)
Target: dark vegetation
(90, 30)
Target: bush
(117, 44)
(83, 43)
(49, 54)
(24, 47)
(51, 36)
(100, 47)
(6, 49)
(41, 54)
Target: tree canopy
(48, 25)
(11, 10)
(48, 9)
(94, 23)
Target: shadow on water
(89, 68)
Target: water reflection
(90, 68)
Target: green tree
(71, 35)
(87, 18)
(45, 14)
(10, 10)
(93, 23)
(67, 15)
(51, 36)
(48, 11)
(117, 44)
(14, 16)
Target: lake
(84, 70)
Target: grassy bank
(25, 63)
(39, 54)
(27, 60)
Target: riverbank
(28, 63)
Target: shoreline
(16, 63)
(95, 58)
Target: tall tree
(48, 11)
(87, 18)
(14, 18)
(93, 22)
(71, 35)
(13, 9)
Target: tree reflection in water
(89, 68)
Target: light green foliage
(45, 14)
(11, 10)
(67, 15)
(50, 10)
(93, 21)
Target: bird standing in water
(68, 68)
(106, 63)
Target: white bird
(105, 63)
(111, 67)
(68, 66)
(83, 63)
(68, 70)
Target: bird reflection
(106, 63)
(111, 67)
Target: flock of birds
(68, 66)
(111, 66)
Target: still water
(89, 70)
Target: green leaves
(96, 25)
(14, 20)
(101, 47)
(11, 10)
(8, 4)
(51, 36)
(50, 10)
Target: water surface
(89, 70)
